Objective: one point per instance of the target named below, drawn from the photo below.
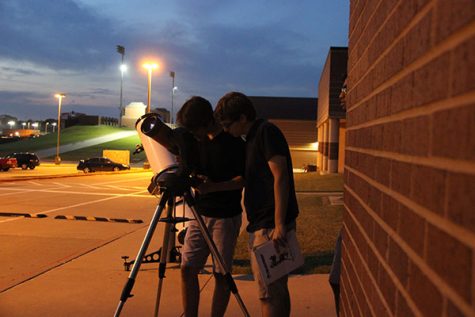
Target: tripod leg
(138, 260)
(214, 251)
(164, 253)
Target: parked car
(7, 162)
(100, 164)
(25, 160)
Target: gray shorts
(223, 231)
(278, 288)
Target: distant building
(296, 118)
(331, 119)
(69, 119)
(135, 110)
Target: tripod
(172, 185)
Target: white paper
(272, 264)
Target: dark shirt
(221, 159)
(263, 142)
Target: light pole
(60, 96)
(54, 125)
(46, 127)
(172, 75)
(23, 124)
(11, 124)
(149, 67)
(123, 68)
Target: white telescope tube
(157, 155)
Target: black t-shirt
(221, 159)
(264, 141)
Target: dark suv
(26, 160)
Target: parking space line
(101, 219)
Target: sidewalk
(311, 295)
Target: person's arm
(232, 184)
(278, 167)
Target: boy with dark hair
(269, 198)
(218, 200)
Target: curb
(79, 174)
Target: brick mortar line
(417, 111)
(383, 263)
(344, 296)
(358, 20)
(441, 48)
(445, 289)
(351, 286)
(415, 19)
(447, 164)
(459, 233)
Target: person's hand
(279, 237)
(206, 186)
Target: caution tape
(22, 214)
(101, 219)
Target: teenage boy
(218, 201)
(269, 196)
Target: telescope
(167, 148)
(173, 155)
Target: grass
(127, 143)
(318, 225)
(72, 135)
(309, 182)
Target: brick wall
(409, 229)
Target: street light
(23, 124)
(35, 125)
(54, 125)
(123, 68)
(172, 75)
(46, 127)
(11, 124)
(149, 67)
(60, 96)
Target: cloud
(58, 34)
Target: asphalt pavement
(311, 295)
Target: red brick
(461, 200)
(452, 260)
(402, 308)
(383, 102)
(382, 170)
(416, 137)
(463, 68)
(452, 310)
(377, 134)
(452, 15)
(388, 288)
(392, 138)
(401, 174)
(453, 133)
(412, 229)
(425, 294)
(402, 94)
(393, 61)
(374, 201)
(398, 261)
(418, 40)
(380, 240)
(390, 211)
(428, 187)
(430, 83)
